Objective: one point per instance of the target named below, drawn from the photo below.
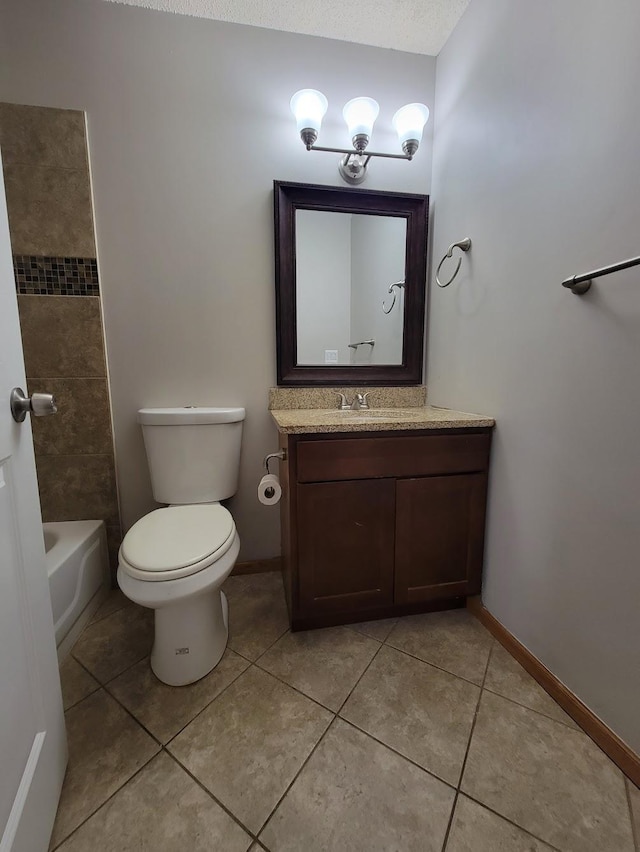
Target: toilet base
(190, 638)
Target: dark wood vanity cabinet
(377, 524)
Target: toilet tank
(193, 453)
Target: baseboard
(610, 743)
(257, 566)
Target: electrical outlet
(330, 356)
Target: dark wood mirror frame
(289, 197)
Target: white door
(33, 748)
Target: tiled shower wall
(48, 192)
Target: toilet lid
(178, 536)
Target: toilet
(175, 559)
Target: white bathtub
(78, 570)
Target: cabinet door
(345, 545)
(439, 536)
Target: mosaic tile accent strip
(38, 275)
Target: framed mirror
(350, 285)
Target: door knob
(39, 404)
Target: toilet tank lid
(189, 415)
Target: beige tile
(76, 682)
(475, 829)
(379, 630)
(355, 794)
(634, 802)
(42, 136)
(162, 809)
(247, 746)
(114, 601)
(76, 488)
(83, 421)
(62, 336)
(257, 612)
(547, 778)
(114, 540)
(505, 676)
(420, 711)
(452, 640)
(165, 710)
(106, 747)
(49, 211)
(324, 664)
(109, 646)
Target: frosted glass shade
(309, 107)
(409, 122)
(360, 115)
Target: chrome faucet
(358, 402)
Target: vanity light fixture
(309, 107)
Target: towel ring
(392, 290)
(464, 245)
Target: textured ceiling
(417, 26)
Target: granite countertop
(308, 420)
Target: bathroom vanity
(383, 512)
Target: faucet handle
(343, 405)
(362, 399)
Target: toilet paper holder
(282, 455)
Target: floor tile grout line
(98, 686)
(126, 604)
(574, 727)
(215, 698)
(295, 778)
(398, 753)
(464, 792)
(295, 688)
(576, 730)
(95, 620)
(101, 681)
(87, 669)
(290, 686)
(218, 802)
(262, 653)
(635, 833)
(429, 663)
(366, 669)
(130, 714)
(466, 754)
(104, 683)
(368, 635)
(510, 821)
(108, 799)
(317, 701)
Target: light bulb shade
(360, 115)
(309, 107)
(409, 122)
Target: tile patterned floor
(418, 733)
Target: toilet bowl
(175, 559)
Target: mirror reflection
(350, 271)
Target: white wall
(323, 285)
(378, 260)
(537, 160)
(189, 124)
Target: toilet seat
(177, 541)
